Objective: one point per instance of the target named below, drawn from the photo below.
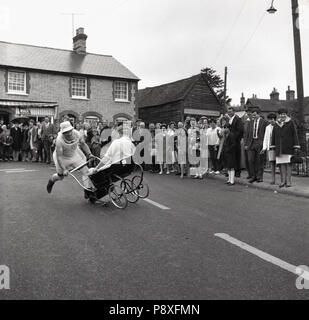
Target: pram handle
(84, 164)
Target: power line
(230, 32)
(251, 37)
(73, 14)
(118, 5)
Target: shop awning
(26, 104)
(28, 109)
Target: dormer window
(17, 82)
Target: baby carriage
(122, 182)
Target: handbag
(296, 159)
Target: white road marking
(16, 169)
(20, 171)
(265, 256)
(161, 206)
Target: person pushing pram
(70, 152)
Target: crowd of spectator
(193, 148)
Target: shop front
(32, 110)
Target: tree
(216, 83)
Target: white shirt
(120, 149)
(256, 130)
(212, 136)
(231, 119)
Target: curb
(264, 186)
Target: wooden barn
(176, 100)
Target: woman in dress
(285, 143)
(171, 158)
(181, 148)
(25, 145)
(161, 148)
(271, 156)
(194, 149)
(229, 150)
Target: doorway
(5, 116)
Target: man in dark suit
(48, 133)
(254, 137)
(237, 130)
(15, 133)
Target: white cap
(65, 126)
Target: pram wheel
(117, 196)
(128, 188)
(140, 188)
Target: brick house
(273, 104)
(39, 81)
(176, 100)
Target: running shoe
(50, 185)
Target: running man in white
(68, 155)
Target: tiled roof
(165, 93)
(268, 105)
(58, 60)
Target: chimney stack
(274, 95)
(79, 41)
(242, 100)
(290, 94)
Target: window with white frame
(121, 91)
(16, 82)
(79, 88)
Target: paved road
(59, 246)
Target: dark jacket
(25, 146)
(229, 151)
(48, 132)
(5, 139)
(245, 122)
(285, 138)
(248, 137)
(106, 136)
(17, 137)
(237, 128)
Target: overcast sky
(166, 40)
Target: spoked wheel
(126, 186)
(140, 187)
(117, 196)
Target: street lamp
(298, 69)
(272, 9)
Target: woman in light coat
(285, 143)
(271, 156)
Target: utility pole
(299, 74)
(224, 91)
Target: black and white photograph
(156, 151)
